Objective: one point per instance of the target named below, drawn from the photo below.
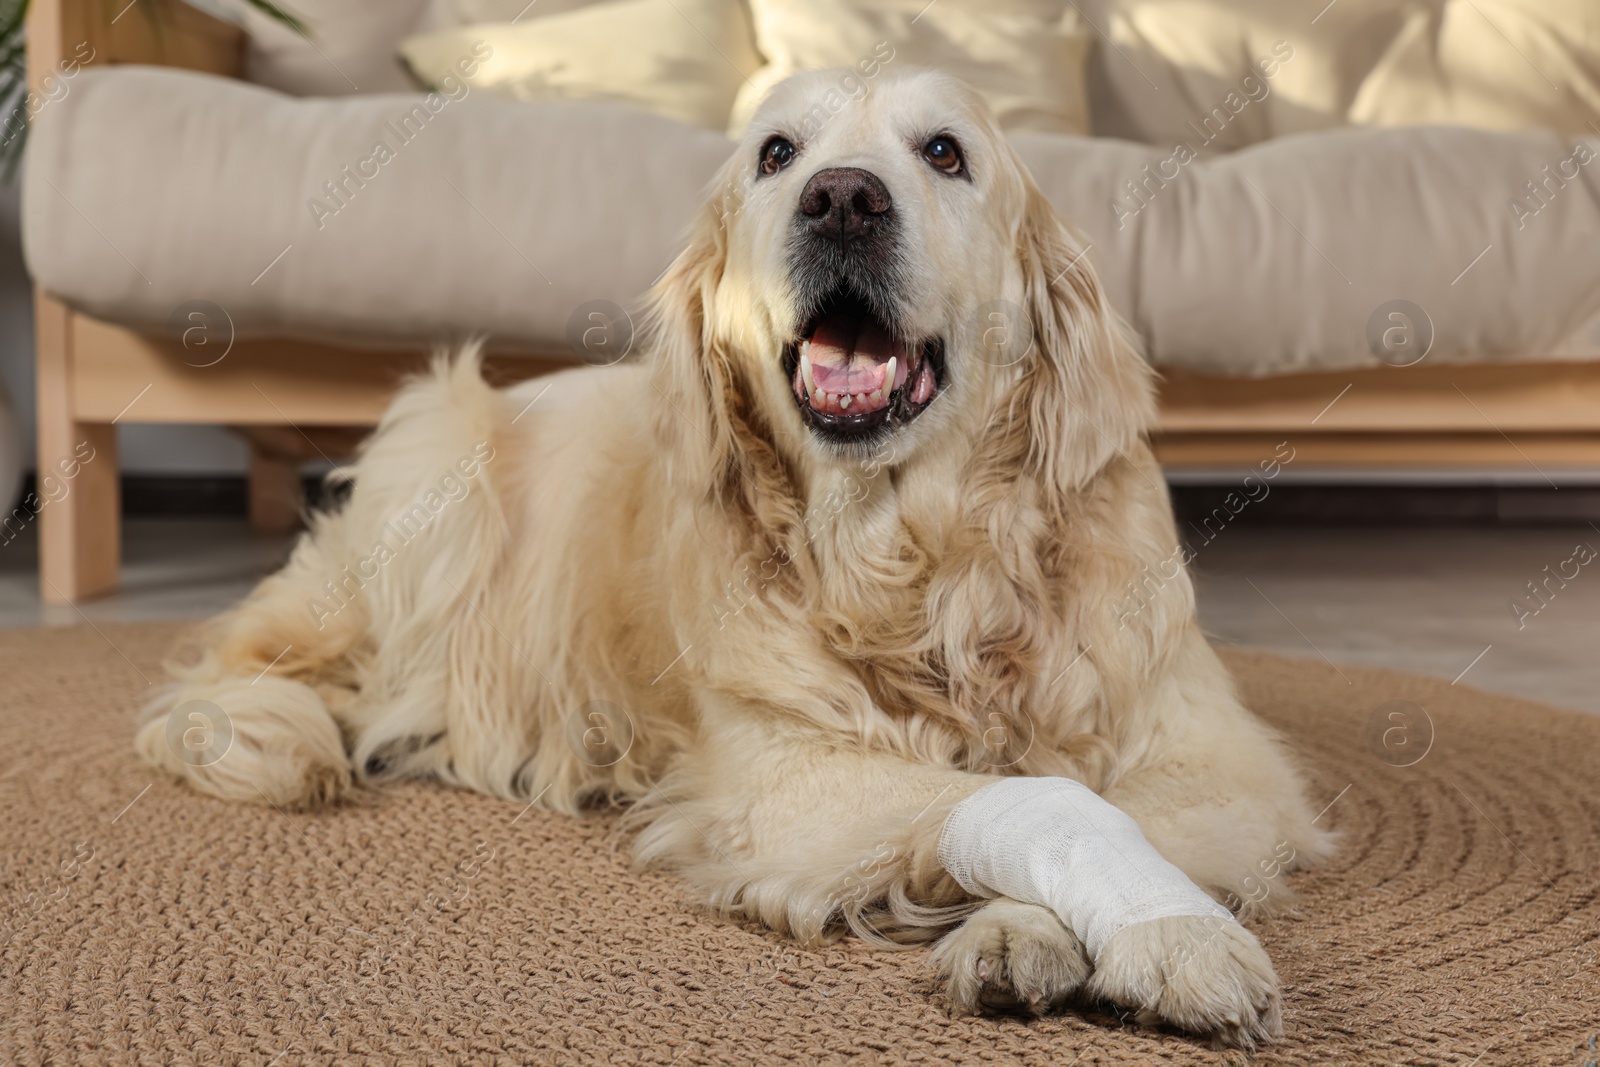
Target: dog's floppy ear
(692, 376)
(1086, 392)
(713, 445)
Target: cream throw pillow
(350, 50)
(1217, 75)
(685, 59)
(1494, 64)
(469, 12)
(1025, 58)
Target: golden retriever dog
(857, 534)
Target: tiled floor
(1431, 601)
(171, 569)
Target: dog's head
(876, 270)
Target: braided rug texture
(146, 924)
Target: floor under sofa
(1429, 600)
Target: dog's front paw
(1206, 975)
(1008, 957)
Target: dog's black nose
(844, 203)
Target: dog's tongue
(848, 354)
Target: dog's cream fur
(810, 648)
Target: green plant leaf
(273, 11)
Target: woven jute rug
(147, 924)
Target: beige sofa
(1262, 278)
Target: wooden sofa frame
(293, 399)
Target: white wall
(145, 449)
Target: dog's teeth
(888, 377)
(805, 371)
(844, 400)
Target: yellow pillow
(470, 12)
(1495, 64)
(685, 59)
(1221, 74)
(1195, 71)
(1025, 57)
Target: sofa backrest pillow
(1026, 57)
(1221, 74)
(684, 59)
(351, 46)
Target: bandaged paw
(1053, 842)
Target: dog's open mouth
(851, 374)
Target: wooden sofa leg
(79, 502)
(80, 522)
(276, 494)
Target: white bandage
(1054, 843)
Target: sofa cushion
(1026, 58)
(145, 189)
(1282, 256)
(353, 46)
(684, 59)
(1222, 74)
(348, 47)
(1496, 64)
(1492, 64)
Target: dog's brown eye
(775, 155)
(944, 154)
